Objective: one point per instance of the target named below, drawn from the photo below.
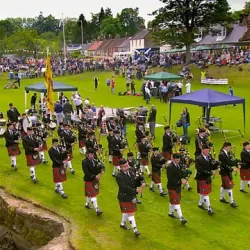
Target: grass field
(227, 229)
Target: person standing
(147, 94)
(158, 163)
(67, 111)
(245, 167)
(132, 85)
(167, 141)
(231, 92)
(127, 196)
(185, 119)
(31, 147)
(11, 143)
(92, 175)
(144, 149)
(77, 100)
(188, 88)
(96, 82)
(33, 101)
(113, 85)
(59, 160)
(152, 120)
(59, 112)
(204, 168)
(13, 114)
(174, 177)
(227, 164)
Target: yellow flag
(49, 86)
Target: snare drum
(2, 122)
(2, 130)
(52, 126)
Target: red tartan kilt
(166, 155)
(156, 178)
(203, 188)
(14, 150)
(45, 148)
(226, 182)
(70, 157)
(245, 174)
(174, 197)
(32, 162)
(115, 161)
(59, 175)
(127, 207)
(144, 162)
(81, 143)
(90, 191)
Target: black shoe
(110, 162)
(88, 206)
(243, 191)
(190, 189)
(99, 212)
(202, 207)
(114, 175)
(224, 201)
(151, 189)
(124, 227)
(45, 162)
(210, 212)
(163, 194)
(234, 205)
(57, 191)
(14, 167)
(72, 171)
(138, 201)
(137, 233)
(183, 221)
(172, 216)
(34, 180)
(64, 196)
(149, 175)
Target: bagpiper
(144, 149)
(82, 136)
(174, 183)
(109, 139)
(245, 167)
(59, 161)
(11, 143)
(167, 143)
(117, 150)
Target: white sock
(59, 187)
(138, 155)
(230, 194)
(178, 210)
(41, 155)
(84, 150)
(152, 184)
(201, 199)
(146, 167)
(160, 187)
(110, 158)
(124, 219)
(118, 168)
(88, 199)
(94, 202)
(32, 172)
(207, 201)
(171, 209)
(69, 164)
(248, 182)
(131, 219)
(222, 193)
(114, 171)
(141, 168)
(242, 185)
(188, 186)
(13, 160)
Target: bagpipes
(238, 162)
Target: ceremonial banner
(49, 86)
(214, 81)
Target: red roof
(95, 45)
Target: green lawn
(225, 230)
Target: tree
(110, 27)
(178, 21)
(130, 21)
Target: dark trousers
(78, 108)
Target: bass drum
(2, 130)
(52, 126)
(3, 122)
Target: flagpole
(64, 40)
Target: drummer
(12, 141)
(24, 124)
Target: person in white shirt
(180, 85)
(86, 102)
(188, 87)
(148, 94)
(78, 103)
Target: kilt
(226, 182)
(127, 207)
(14, 150)
(203, 188)
(81, 143)
(156, 178)
(167, 155)
(245, 174)
(144, 161)
(115, 161)
(174, 197)
(91, 190)
(70, 157)
(31, 162)
(44, 147)
(59, 174)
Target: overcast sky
(73, 8)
